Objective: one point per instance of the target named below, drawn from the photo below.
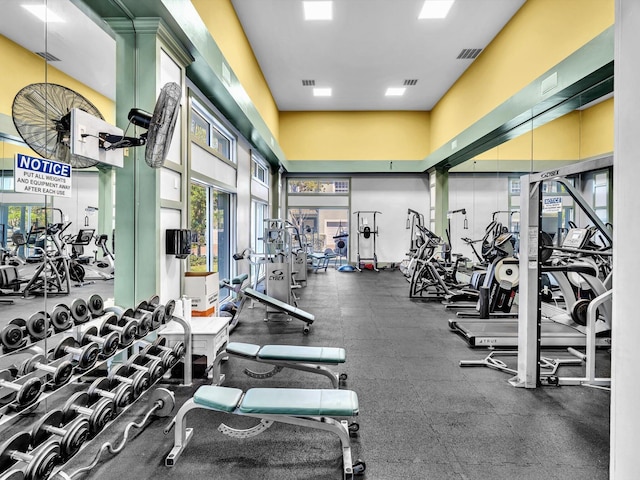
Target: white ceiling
(85, 51)
(368, 46)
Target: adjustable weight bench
(307, 359)
(285, 308)
(306, 408)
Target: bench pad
(291, 353)
(303, 354)
(224, 399)
(285, 307)
(280, 401)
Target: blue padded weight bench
(307, 359)
(285, 308)
(306, 408)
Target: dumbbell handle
(22, 456)
(10, 385)
(140, 368)
(74, 350)
(94, 338)
(82, 410)
(104, 393)
(45, 368)
(127, 380)
(55, 430)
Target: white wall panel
(211, 166)
(170, 266)
(169, 185)
(392, 196)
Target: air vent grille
(410, 82)
(47, 56)
(308, 83)
(469, 53)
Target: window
(259, 211)
(322, 228)
(259, 170)
(208, 130)
(322, 186)
(601, 195)
(210, 217)
(6, 181)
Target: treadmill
(557, 327)
(504, 334)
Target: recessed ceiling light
(43, 13)
(321, 92)
(435, 8)
(318, 10)
(395, 91)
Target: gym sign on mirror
(41, 176)
(552, 205)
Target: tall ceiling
(369, 45)
(81, 48)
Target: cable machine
(367, 232)
(532, 252)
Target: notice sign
(552, 205)
(42, 177)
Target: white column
(625, 397)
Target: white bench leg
(182, 435)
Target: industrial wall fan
(42, 114)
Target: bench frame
(183, 435)
(278, 365)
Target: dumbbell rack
(11, 412)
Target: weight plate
(129, 333)
(96, 305)
(37, 325)
(80, 311)
(62, 374)
(39, 432)
(107, 324)
(61, 317)
(89, 356)
(110, 345)
(29, 392)
(103, 412)
(19, 442)
(123, 395)
(153, 301)
(45, 458)
(60, 349)
(12, 337)
(78, 399)
(77, 433)
(165, 399)
(157, 318)
(169, 309)
(579, 311)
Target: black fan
(160, 126)
(41, 114)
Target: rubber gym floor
(421, 415)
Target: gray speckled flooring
(421, 415)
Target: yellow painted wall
(378, 135)
(539, 36)
(225, 28)
(31, 69)
(580, 134)
(597, 130)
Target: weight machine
(367, 232)
(531, 253)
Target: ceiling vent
(410, 82)
(308, 83)
(47, 56)
(469, 53)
